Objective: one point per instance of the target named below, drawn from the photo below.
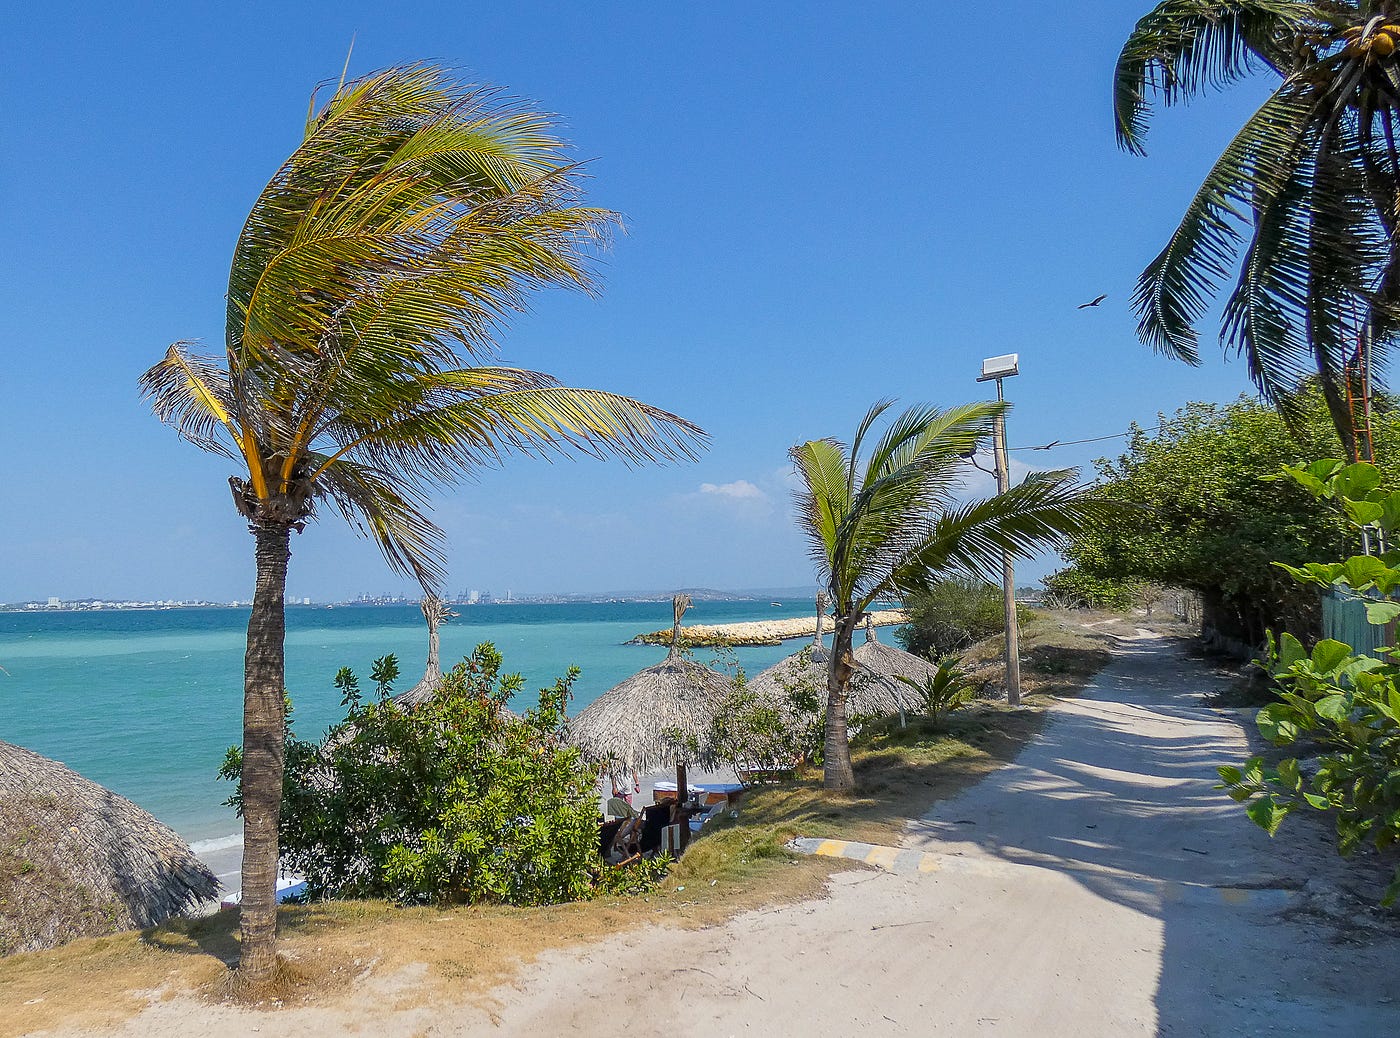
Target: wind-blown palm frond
(1029, 517)
(1175, 290)
(191, 393)
(414, 218)
(384, 509)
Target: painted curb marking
(903, 861)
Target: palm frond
(389, 511)
(542, 421)
(1182, 47)
(190, 392)
(1037, 513)
(824, 498)
(1176, 288)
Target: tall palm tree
(888, 525)
(412, 220)
(1303, 200)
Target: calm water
(146, 703)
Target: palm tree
(888, 526)
(1310, 183)
(412, 220)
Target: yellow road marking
(882, 856)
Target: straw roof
(804, 668)
(879, 664)
(873, 690)
(800, 670)
(77, 860)
(626, 728)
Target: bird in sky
(1096, 302)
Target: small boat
(778, 605)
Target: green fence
(1344, 618)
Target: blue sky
(825, 204)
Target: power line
(1054, 444)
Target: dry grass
(333, 950)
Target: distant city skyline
(824, 206)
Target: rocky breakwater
(757, 632)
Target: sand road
(1098, 886)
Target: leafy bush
(750, 733)
(1072, 588)
(1206, 522)
(1345, 703)
(943, 692)
(953, 615)
(454, 800)
(1349, 705)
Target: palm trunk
(838, 773)
(264, 734)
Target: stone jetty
(757, 632)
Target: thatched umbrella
(77, 860)
(435, 612)
(874, 688)
(881, 666)
(804, 668)
(658, 717)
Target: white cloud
(739, 490)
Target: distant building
(54, 603)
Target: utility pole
(995, 369)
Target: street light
(994, 369)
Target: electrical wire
(1054, 444)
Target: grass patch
(337, 951)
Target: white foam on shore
(221, 843)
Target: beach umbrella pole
(682, 794)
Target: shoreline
(757, 632)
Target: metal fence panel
(1344, 618)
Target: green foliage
(1206, 522)
(946, 690)
(751, 733)
(951, 615)
(1350, 706)
(1073, 588)
(454, 800)
(1347, 704)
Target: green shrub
(1072, 588)
(943, 692)
(750, 733)
(454, 800)
(952, 616)
(1349, 705)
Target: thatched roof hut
(804, 669)
(627, 729)
(77, 860)
(880, 666)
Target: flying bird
(1096, 302)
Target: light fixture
(1000, 367)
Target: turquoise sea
(146, 702)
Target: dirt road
(1097, 887)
